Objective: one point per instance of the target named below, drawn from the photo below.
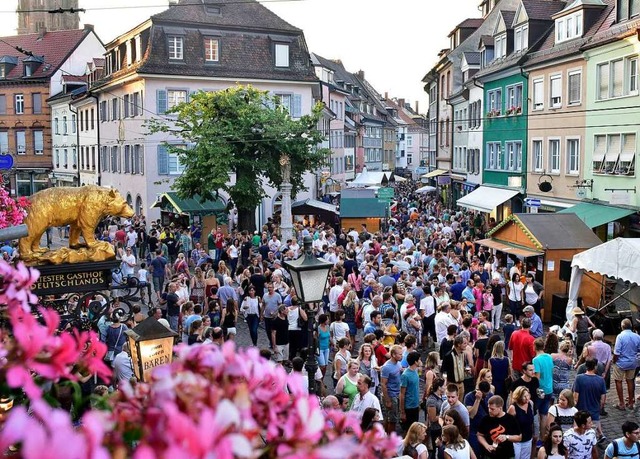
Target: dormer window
(569, 27)
(521, 38)
(7, 63)
(500, 45)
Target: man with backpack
(628, 446)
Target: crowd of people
(421, 329)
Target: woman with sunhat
(580, 328)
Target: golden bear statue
(81, 208)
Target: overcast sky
(395, 42)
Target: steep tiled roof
(74, 79)
(52, 47)
(243, 55)
(471, 23)
(549, 50)
(472, 58)
(487, 40)
(98, 61)
(542, 10)
(245, 14)
(508, 18)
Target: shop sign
(66, 278)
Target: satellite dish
(545, 186)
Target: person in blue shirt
(543, 366)
(624, 362)
(374, 324)
(390, 374)
(628, 446)
(589, 393)
(409, 402)
(457, 288)
(468, 294)
(536, 322)
(476, 402)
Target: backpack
(410, 451)
(616, 453)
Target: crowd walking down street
(421, 330)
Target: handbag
(111, 354)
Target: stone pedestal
(286, 222)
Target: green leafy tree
(244, 132)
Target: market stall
(545, 243)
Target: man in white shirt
(442, 320)
(132, 237)
(428, 314)
(364, 398)
(128, 263)
(369, 308)
(334, 293)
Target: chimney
(386, 95)
(88, 27)
(360, 74)
(417, 111)
(401, 103)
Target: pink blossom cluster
(237, 404)
(29, 348)
(12, 212)
(210, 402)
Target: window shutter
(614, 148)
(556, 90)
(538, 94)
(141, 160)
(618, 78)
(603, 76)
(269, 102)
(161, 101)
(574, 88)
(628, 147)
(3, 104)
(163, 160)
(297, 106)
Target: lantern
(309, 274)
(150, 346)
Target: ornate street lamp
(150, 346)
(309, 275)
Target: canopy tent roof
(486, 198)
(312, 206)
(619, 258)
(435, 173)
(373, 178)
(194, 205)
(426, 189)
(595, 215)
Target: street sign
(385, 193)
(531, 202)
(6, 162)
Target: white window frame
(631, 75)
(573, 73)
(21, 142)
(521, 42)
(281, 53)
(175, 47)
(514, 97)
(500, 46)
(19, 104)
(537, 157)
(4, 142)
(555, 99)
(173, 162)
(175, 97)
(538, 104)
(38, 141)
(554, 159)
(211, 49)
(576, 169)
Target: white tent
(619, 258)
(426, 189)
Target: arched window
(139, 205)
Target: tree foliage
(244, 132)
